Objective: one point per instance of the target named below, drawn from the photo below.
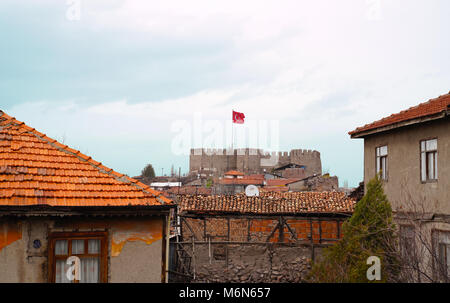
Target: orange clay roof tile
(38, 170)
(269, 203)
(429, 108)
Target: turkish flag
(238, 117)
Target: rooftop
(282, 181)
(432, 109)
(38, 170)
(234, 173)
(270, 203)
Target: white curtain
(61, 247)
(77, 247)
(61, 270)
(90, 270)
(94, 246)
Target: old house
(411, 150)
(234, 182)
(265, 238)
(60, 208)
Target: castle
(252, 161)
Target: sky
(130, 82)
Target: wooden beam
(204, 228)
(189, 227)
(312, 239)
(320, 231)
(304, 243)
(273, 232)
(249, 222)
(281, 229)
(293, 233)
(338, 227)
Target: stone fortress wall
(252, 161)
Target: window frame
(380, 157)
(436, 157)
(103, 255)
(403, 232)
(436, 248)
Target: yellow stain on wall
(123, 232)
(9, 233)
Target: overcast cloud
(112, 83)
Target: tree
(369, 232)
(209, 183)
(148, 172)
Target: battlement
(226, 151)
(253, 151)
(252, 160)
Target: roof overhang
(361, 134)
(90, 211)
(208, 213)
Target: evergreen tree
(369, 232)
(148, 172)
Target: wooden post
(312, 239)
(228, 240)
(320, 230)
(193, 254)
(338, 227)
(209, 248)
(248, 230)
(281, 230)
(204, 228)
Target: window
(407, 241)
(443, 255)
(89, 247)
(428, 160)
(382, 162)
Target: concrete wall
(404, 181)
(134, 247)
(404, 188)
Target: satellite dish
(251, 191)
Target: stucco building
(411, 150)
(60, 208)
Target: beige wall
(134, 247)
(404, 182)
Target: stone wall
(283, 258)
(252, 264)
(252, 161)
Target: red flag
(238, 117)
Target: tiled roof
(274, 189)
(270, 203)
(243, 181)
(38, 170)
(254, 176)
(281, 182)
(189, 190)
(233, 173)
(432, 107)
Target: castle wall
(252, 160)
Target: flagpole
(232, 131)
